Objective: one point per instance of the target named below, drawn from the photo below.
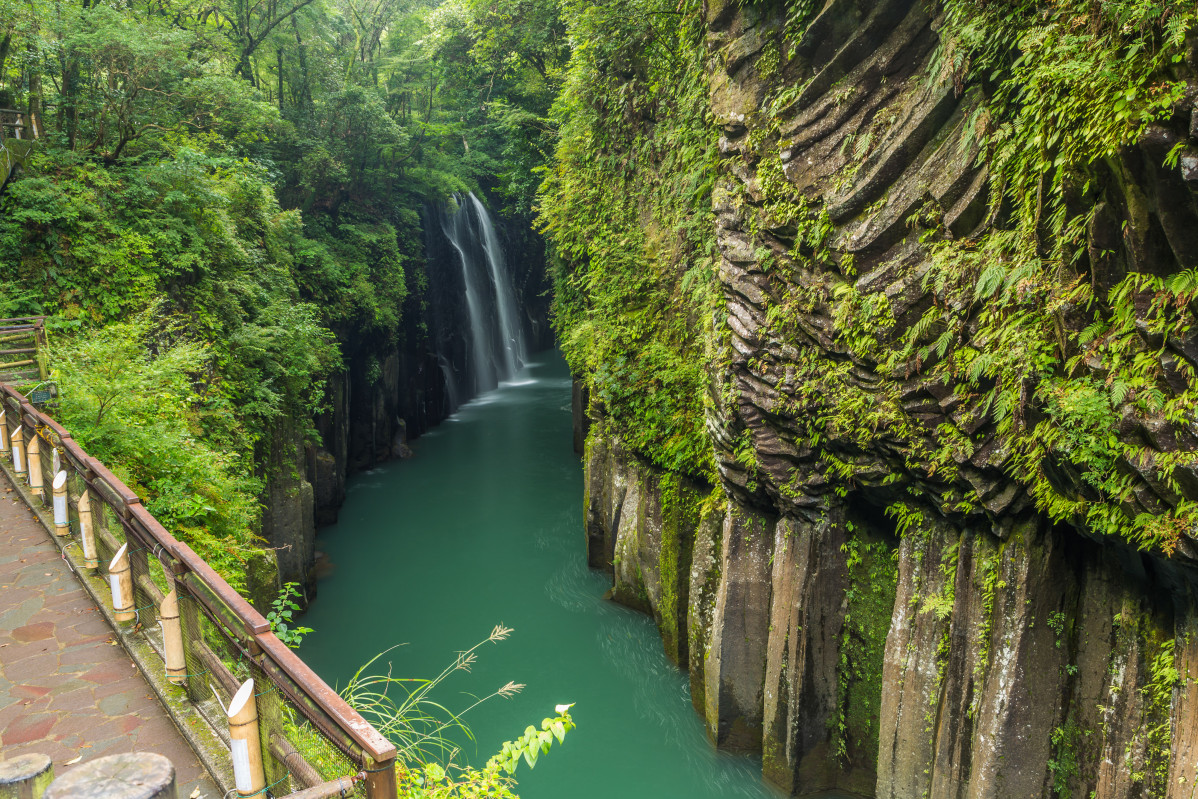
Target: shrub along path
(67, 687)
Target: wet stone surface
(67, 688)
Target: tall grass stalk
(402, 709)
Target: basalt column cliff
(947, 546)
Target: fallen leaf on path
(195, 794)
(73, 760)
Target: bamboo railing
(22, 350)
(313, 744)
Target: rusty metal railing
(313, 743)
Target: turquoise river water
(484, 526)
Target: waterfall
(497, 348)
(460, 233)
(510, 330)
(451, 383)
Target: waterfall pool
(484, 526)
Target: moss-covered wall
(950, 399)
(923, 659)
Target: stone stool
(136, 775)
(25, 777)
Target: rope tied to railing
(376, 770)
(137, 612)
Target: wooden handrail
(273, 656)
(348, 719)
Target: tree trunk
(303, 97)
(5, 43)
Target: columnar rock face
(879, 601)
(990, 661)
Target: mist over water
(484, 526)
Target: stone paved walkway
(67, 687)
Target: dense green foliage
(1075, 82)
(627, 206)
(241, 180)
(141, 413)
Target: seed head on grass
(510, 690)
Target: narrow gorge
(470, 323)
(879, 323)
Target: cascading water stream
(510, 329)
(497, 348)
(451, 383)
(457, 229)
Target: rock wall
(1002, 661)
(873, 609)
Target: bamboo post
(56, 461)
(18, 451)
(120, 580)
(39, 339)
(62, 524)
(380, 780)
(33, 454)
(244, 741)
(3, 431)
(25, 776)
(87, 532)
(172, 638)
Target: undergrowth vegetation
(217, 187)
(627, 207)
(1074, 85)
(1051, 334)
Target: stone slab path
(67, 687)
